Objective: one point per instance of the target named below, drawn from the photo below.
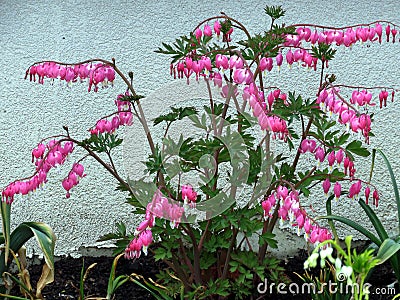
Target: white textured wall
(130, 31)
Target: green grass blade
(380, 230)
(355, 226)
(82, 282)
(20, 283)
(120, 280)
(330, 222)
(388, 249)
(394, 261)
(165, 297)
(2, 239)
(394, 184)
(5, 220)
(12, 297)
(114, 283)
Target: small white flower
(306, 265)
(348, 270)
(327, 253)
(338, 264)
(312, 260)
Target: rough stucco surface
(130, 31)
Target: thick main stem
(196, 254)
(228, 254)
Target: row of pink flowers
(333, 105)
(48, 156)
(123, 117)
(290, 211)
(96, 73)
(57, 153)
(346, 37)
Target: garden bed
(68, 270)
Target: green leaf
(255, 164)
(151, 288)
(120, 233)
(6, 220)
(44, 236)
(356, 148)
(176, 114)
(323, 52)
(394, 184)
(268, 238)
(114, 283)
(342, 139)
(161, 253)
(330, 222)
(388, 248)
(275, 12)
(355, 226)
(374, 220)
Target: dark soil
(68, 270)
(68, 273)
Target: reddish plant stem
(228, 254)
(196, 253)
(224, 16)
(176, 266)
(110, 115)
(201, 242)
(105, 165)
(343, 100)
(305, 177)
(184, 255)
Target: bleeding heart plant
(203, 231)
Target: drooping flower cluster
(347, 37)
(45, 157)
(356, 122)
(354, 191)
(73, 177)
(55, 152)
(291, 212)
(139, 243)
(302, 57)
(159, 207)
(123, 117)
(207, 31)
(97, 73)
(261, 110)
(334, 158)
(242, 75)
